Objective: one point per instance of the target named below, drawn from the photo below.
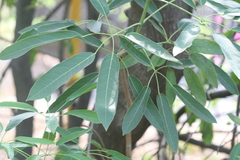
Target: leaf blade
(207, 68)
(52, 123)
(88, 115)
(18, 105)
(169, 126)
(136, 111)
(185, 39)
(59, 74)
(230, 51)
(226, 80)
(21, 47)
(60, 103)
(101, 6)
(151, 46)
(196, 107)
(135, 53)
(107, 90)
(35, 140)
(195, 85)
(15, 120)
(71, 136)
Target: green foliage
(134, 48)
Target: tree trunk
(21, 71)
(113, 138)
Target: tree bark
(21, 71)
(113, 138)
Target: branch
(218, 94)
(185, 137)
(55, 9)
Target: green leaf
(15, 120)
(1, 127)
(183, 23)
(207, 132)
(101, 6)
(136, 111)
(52, 123)
(35, 140)
(235, 154)
(153, 116)
(235, 119)
(78, 157)
(118, 3)
(29, 28)
(169, 126)
(18, 105)
(127, 61)
(231, 53)
(236, 29)
(202, 2)
(226, 80)
(107, 90)
(195, 85)
(45, 27)
(8, 149)
(85, 114)
(28, 34)
(96, 144)
(86, 37)
(205, 46)
(86, 88)
(216, 6)
(117, 155)
(185, 39)
(185, 63)
(61, 103)
(23, 46)
(156, 62)
(196, 107)
(135, 53)
(135, 85)
(151, 112)
(207, 68)
(63, 132)
(151, 46)
(94, 26)
(22, 145)
(232, 11)
(190, 3)
(71, 136)
(170, 94)
(48, 25)
(49, 135)
(151, 9)
(34, 157)
(157, 27)
(59, 74)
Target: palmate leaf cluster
(135, 48)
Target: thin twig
(235, 125)
(55, 9)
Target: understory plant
(198, 69)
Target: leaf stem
(143, 16)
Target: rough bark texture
(21, 70)
(113, 138)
